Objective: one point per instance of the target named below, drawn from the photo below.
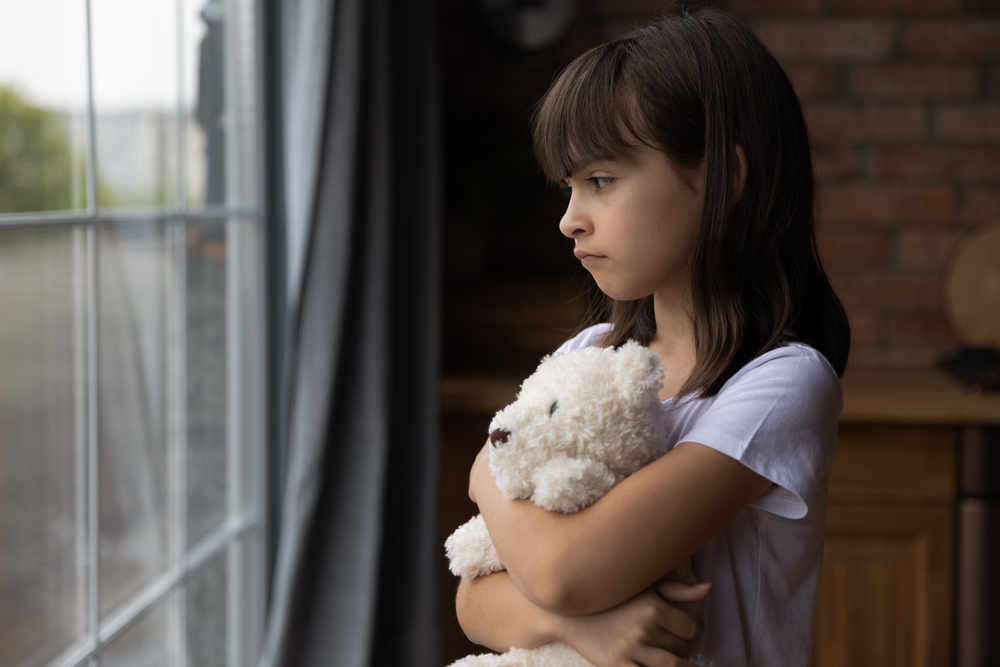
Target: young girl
(685, 153)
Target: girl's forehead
(604, 163)
(634, 158)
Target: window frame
(244, 536)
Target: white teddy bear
(581, 423)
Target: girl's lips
(583, 255)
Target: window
(131, 344)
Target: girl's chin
(618, 294)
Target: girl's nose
(575, 221)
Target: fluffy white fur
(581, 423)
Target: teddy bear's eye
(555, 406)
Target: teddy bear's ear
(637, 366)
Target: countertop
(913, 395)
(872, 394)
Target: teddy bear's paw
(568, 485)
(556, 654)
(488, 660)
(470, 550)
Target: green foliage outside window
(36, 158)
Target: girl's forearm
(607, 553)
(494, 613)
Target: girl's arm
(493, 613)
(643, 630)
(642, 529)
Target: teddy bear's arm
(470, 550)
(569, 484)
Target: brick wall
(902, 98)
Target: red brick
(866, 326)
(922, 329)
(924, 250)
(833, 163)
(839, 249)
(897, 7)
(858, 288)
(977, 39)
(969, 164)
(865, 288)
(975, 124)
(827, 39)
(887, 204)
(916, 82)
(982, 205)
(815, 81)
(774, 6)
(836, 124)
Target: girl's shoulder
(797, 364)
(589, 337)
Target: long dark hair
(696, 86)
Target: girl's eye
(566, 191)
(601, 182)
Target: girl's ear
(741, 183)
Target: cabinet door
(885, 594)
(885, 591)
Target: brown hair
(695, 86)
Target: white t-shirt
(778, 416)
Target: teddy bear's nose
(499, 437)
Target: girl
(685, 153)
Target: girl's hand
(645, 630)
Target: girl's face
(634, 223)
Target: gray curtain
(355, 583)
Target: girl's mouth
(584, 256)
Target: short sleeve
(589, 337)
(778, 416)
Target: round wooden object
(972, 289)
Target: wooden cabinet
(885, 592)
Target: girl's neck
(673, 341)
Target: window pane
(134, 521)
(220, 103)
(207, 482)
(246, 588)
(243, 184)
(43, 103)
(145, 643)
(135, 97)
(205, 102)
(206, 613)
(42, 431)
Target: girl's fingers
(649, 656)
(668, 641)
(676, 591)
(678, 622)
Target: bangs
(590, 113)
